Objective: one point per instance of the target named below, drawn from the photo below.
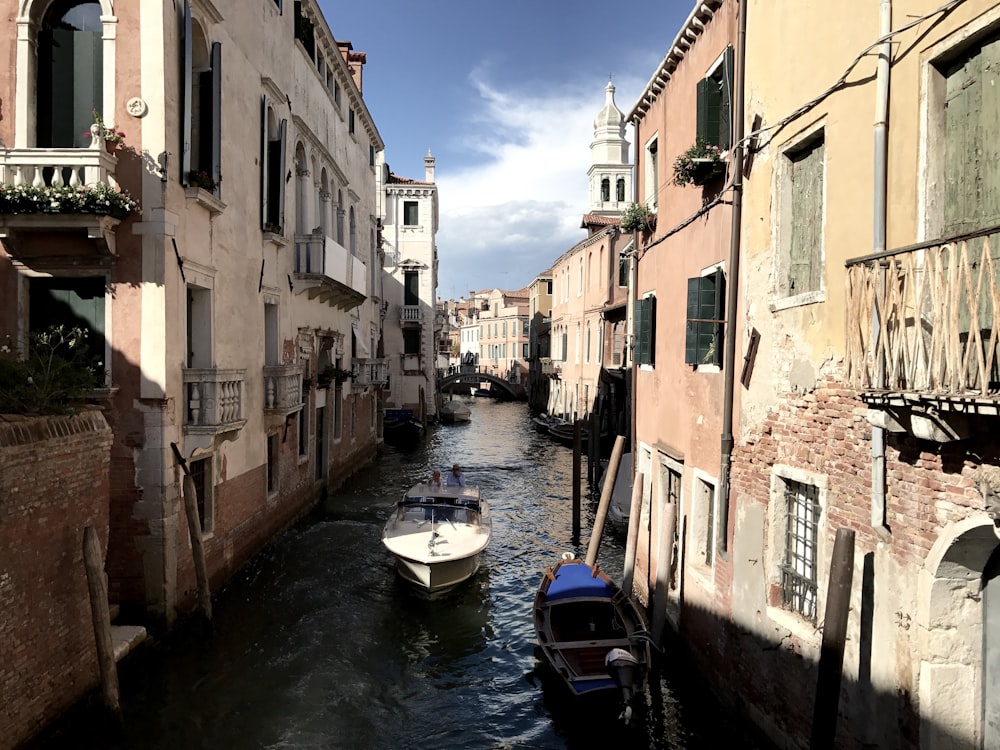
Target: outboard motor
(624, 670)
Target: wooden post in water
(100, 615)
(594, 449)
(606, 492)
(665, 557)
(632, 537)
(831, 659)
(576, 478)
(190, 497)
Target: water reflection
(317, 643)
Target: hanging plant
(637, 217)
(99, 198)
(698, 164)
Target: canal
(318, 644)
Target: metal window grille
(798, 573)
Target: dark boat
(562, 431)
(400, 426)
(592, 634)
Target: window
(714, 106)
(798, 571)
(411, 341)
(201, 106)
(410, 214)
(704, 521)
(199, 327)
(272, 175)
(620, 190)
(618, 343)
(605, 190)
(411, 288)
(645, 330)
(201, 473)
(336, 93)
(623, 269)
(304, 425)
(304, 31)
(565, 345)
(652, 174)
(802, 222)
(72, 302)
(586, 356)
(705, 319)
(273, 454)
(70, 74)
(350, 121)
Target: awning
(359, 341)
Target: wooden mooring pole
(605, 503)
(632, 537)
(577, 440)
(100, 614)
(594, 449)
(831, 659)
(190, 497)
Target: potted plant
(99, 198)
(335, 374)
(637, 218)
(199, 178)
(112, 137)
(699, 164)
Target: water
(317, 643)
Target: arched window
(605, 189)
(340, 217)
(354, 233)
(621, 189)
(69, 85)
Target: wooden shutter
(701, 127)
(643, 330)
(806, 240)
(264, 171)
(279, 179)
(691, 329)
(216, 108)
(186, 88)
(726, 100)
(703, 331)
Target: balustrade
(370, 372)
(214, 399)
(923, 318)
(282, 387)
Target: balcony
(59, 168)
(550, 367)
(214, 400)
(374, 372)
(326, 271)
(921, 335)
(410, 314)
(282, 389)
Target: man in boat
(456, 477)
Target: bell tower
(610, 172)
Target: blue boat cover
(577, 581)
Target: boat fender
(568, 555)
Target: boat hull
(436, 578)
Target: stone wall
(54, 479)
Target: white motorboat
(438, 534)
(454, 412)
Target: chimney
(429, 167)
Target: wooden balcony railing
(922, 318)
(214, 400)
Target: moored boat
(437, 535)
(591, 633)
(621, 496)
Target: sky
(504, 95)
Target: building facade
(410, 220)
(857, 367)
(234, 310)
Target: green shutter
(263, 163)
(645, 320)
(701, 127)
(279, 178)
(187, 57)
(726, 100)
(691, 330)
(215, 130)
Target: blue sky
(504, 95)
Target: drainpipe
(733, 291)
(879, 222)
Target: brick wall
(54, 479)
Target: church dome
(610, 118)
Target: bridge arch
(512, 390)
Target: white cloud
(507, 219)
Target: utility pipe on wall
(733, 292)
(880, 192)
